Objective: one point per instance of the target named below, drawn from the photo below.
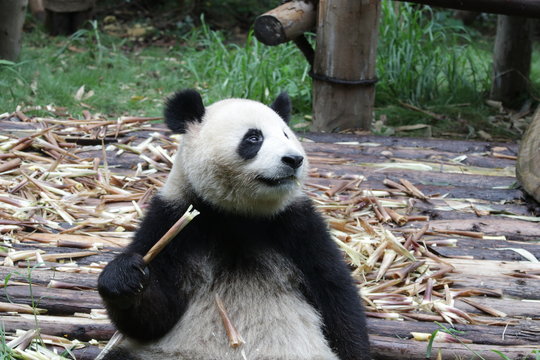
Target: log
(519, 334)
(375, 153)
(508, 7)
(513, 229)
(55, 301)
(344, 66)
(83, 329)
(285, 23)
(512, 307)
(43, 277)
(510, 286)
(459, 146)
(512, 60)
(391, 348)
(12, 14)
(487, 249)
(527, 169)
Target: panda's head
(238, 155)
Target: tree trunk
(511, 60)
(12, 14)
(344, 68)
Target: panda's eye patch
(251, 144)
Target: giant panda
(258, 244)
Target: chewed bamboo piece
(235, 339)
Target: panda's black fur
(145, 303)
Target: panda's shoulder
(303, 212)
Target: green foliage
(122, 82)
(5, 352)
(424, 58)
(252, 71)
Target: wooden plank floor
(473, 188)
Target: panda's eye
(284, 133)
(255, 138)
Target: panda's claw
(124, 279)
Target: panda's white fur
(279, 325)
(220, 175)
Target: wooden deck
(473, 204)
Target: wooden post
(511, 60)
(344, 68)
(64, 17)
(37, 9)
(12, 14)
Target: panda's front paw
(123, 280)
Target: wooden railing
(343, 64)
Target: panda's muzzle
(277, 181)
(288, 173)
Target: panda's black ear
(282, 105)
(182, 108)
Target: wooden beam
(528, 8)
(285, 23)
(344, 67)
(512, 60)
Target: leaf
(501, 354)
(137, 98)
(430, 344)
(89, 94)
(525, 253)
(522, 217)
(79, 94)
(404, 166)
(7, 62)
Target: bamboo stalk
(189, 215)
(413, 189)
(10, 165)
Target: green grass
(424, 58)
(135, 82)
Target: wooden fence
(343, 63)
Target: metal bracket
(333, 80)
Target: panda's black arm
(148, 313)
(329, 287)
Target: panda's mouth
(277, 181)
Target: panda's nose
(293, 161)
